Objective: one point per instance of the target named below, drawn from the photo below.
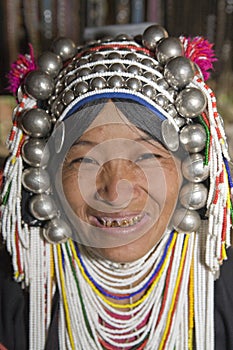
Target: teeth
(120, 223)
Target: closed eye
(84, 160)
(146, 156)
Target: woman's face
(121, 184)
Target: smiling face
(122, 183)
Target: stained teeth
(120, 223)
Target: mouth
(119, 222)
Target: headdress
(166, 75)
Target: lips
(119, 222)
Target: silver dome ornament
(171, 109)
(148, 62)
(152, 35)
(84, 71)
(193, 168)
(42, 207)
(180, 121)
(57, 231)
(179, 72)
(81, 88)
(134, 84)
(190, 102)
(114, 56)
(131, 57)
(35, 152)
(81, 62)
(67, 97)
(133, 69)
(161, 82)
(185, 220)
(100, 68)
(117, 67)
(168, 48)
(193, 138)
(39, 85)
(193, 196)
(36, 122)
(161, 100)
(95, 57)
(36, 180)
(148, 91)
(170, 136)
(116, 81)
(50, 63)
(98, 83)
(64, 47)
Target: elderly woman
(116, 206)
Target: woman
(116, 198)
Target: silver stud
(179, 121)
(81, 88)
(81, 62)
(148, 62)
(36, 180)
(100, 68)
(69, 79)
(57, 231)
(42, 207)
(168, 48)
(67, 97)
(36, 122)
(116, 81)
(193, 168)
(50, 63)
(161, 100)
(98, 83)
(152, 35)
(84, 71)
(193, 138)
(117, 67)
(39, 85)
(134, 84)
(96, 57)
(131, 56)
(193, 196)
(114, 56)
(64, 47)
(185, 220)
(179, 72)
(171, 109)
(133, 69)
(161, 82)
(150, 76)
(148, 91)
(35, 152)
(190, 102)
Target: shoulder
(224, 305)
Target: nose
(116, 182)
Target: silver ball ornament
(193, 138)
(148, 91)
(98, 83)
(152, 35)
(168, 48)
(67, 97)
(134, 84)
(64, 47)
(193, 168)
(35, 152)
(57, 231)
(117, 67)
(190, 102)
(42, 207)
(116, 81)
(161, 100)
(36, 180)
(81, 88)
(185, 220)
(36, 122)
(179, 72)
(39, 85)
(50, 63)
(193, 196)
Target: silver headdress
(160, 72)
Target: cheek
(71, 189)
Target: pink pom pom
(23, 65)
(201, 52)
